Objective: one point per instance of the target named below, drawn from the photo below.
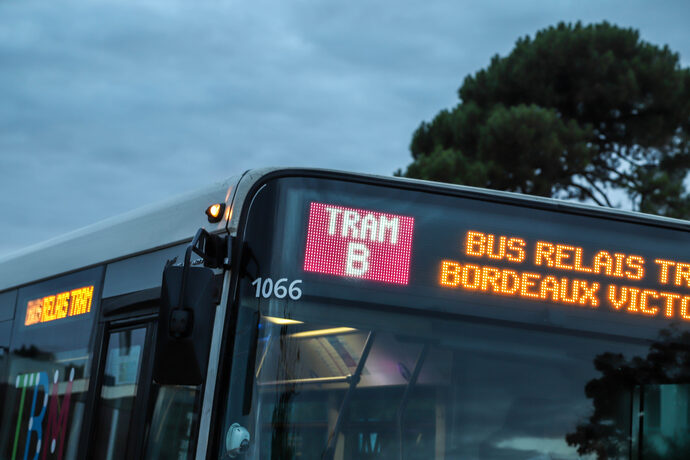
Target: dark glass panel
(665, 428)
(48, 373)
(172, 429)
(481, 392)
(118, 393)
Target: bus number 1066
(266, 288)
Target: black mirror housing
(185, 327)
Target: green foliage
(578, 112)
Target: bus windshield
(446, 327)
(411, 387)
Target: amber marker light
(215, 212)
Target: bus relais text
(567, 266)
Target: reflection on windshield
(660, 399)
(437, 390)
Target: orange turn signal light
(215, 212)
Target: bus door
(135, 416)
(123, 388)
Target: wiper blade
(406, 396)
(354, 380)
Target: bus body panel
(145, 229)
(129, 252)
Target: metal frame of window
(121, 313)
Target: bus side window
(118, 393)
(5, 330)
(7, 305)
(48, 366)
(173, 424)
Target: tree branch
(624, 158)
(598, 189)
(587, 192)
(630, 179)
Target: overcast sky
(108, 105)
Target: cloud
(108, 105)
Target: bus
(312, 314)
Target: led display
(358, 243)
(58, 306)
(568, 274)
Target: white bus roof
(176, 221)
(154, 226)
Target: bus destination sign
(377, 246)
(358, 243)
(58, 306)
(570, 275)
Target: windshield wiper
(354, 380)
(406, 396)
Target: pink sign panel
(358, 243)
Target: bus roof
(176, 220)
(150, 227)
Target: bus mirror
(185, 325)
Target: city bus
(311, 314)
